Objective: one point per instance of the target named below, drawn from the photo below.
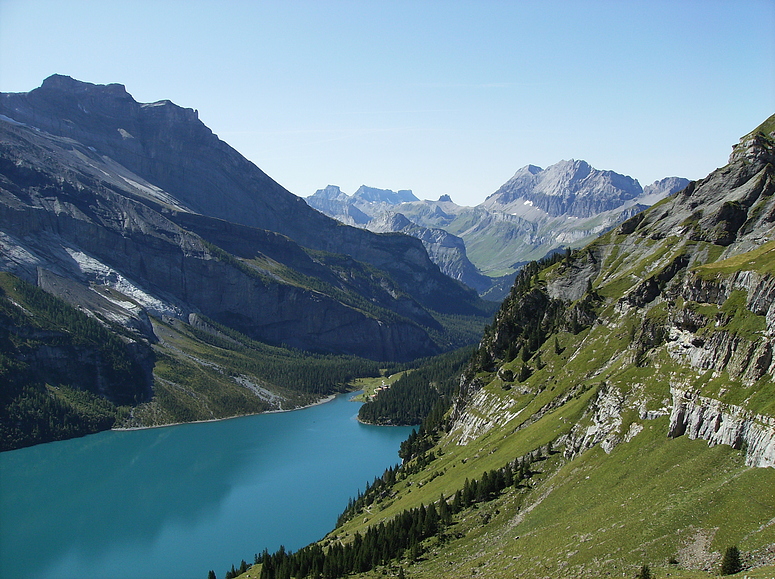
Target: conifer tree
(457, 501)
(731, 564)
(508, 476)
(445, 516)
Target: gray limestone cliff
(672, 313)
(180, 162)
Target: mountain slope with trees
(634, 381)
(240, 295)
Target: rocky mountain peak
(527, 171)
(68, 107)
(65, 83)
(568, 188)
(374, 195)
(331, 193)
(666, 186)
(756, 145)
(389, 221)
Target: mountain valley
(537, 212)
(617, 418)
(138, 215)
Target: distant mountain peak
(528, 170)
(570, 187)
(331, 193)
(69, 84)
(666, 186)
(374, 195)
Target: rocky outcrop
(484, 412)
(699, 417)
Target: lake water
(175, 502)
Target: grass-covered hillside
(617, 419)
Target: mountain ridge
(618, 416)
(169, 146)
(123, 209)
(537, 212)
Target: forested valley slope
(617, 418)
(152, 275)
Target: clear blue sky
(438, 97)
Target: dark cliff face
(169, 147)
(71, 206)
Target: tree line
(286, 367)
(40, 399)
(400, 537)
(416, 394)
(529, 316)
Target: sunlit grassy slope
(657, 309)
(650, 500)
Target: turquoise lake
(175, 502)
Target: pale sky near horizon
(439, 97)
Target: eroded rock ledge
(709, 419)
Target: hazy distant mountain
(534, 213)
(359, 208)
(376, 210)
(568, 189)
(374, 195)
(446, 250)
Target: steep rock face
(446, 250)
(669, 317)
(571, 188)
(169, 147)
(484, 413)
(708, 419)
(64, 210)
